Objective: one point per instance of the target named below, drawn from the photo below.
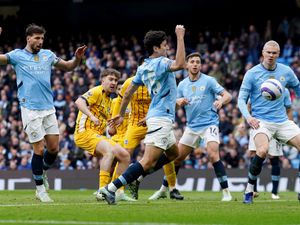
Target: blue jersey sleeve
(137, 80)
(293, 82)
(164, 66)
(287, 99)
(12, 57)
(244, 95)
(55, 58)
(180, 90)
(216, 87)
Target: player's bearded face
(109, 83)
(35, 42)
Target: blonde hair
(273, 44)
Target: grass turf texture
(80, 207)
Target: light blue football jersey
(160, 81)
(33, 77)
(270, 111)
(287, 98)
(201, 94)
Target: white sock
(164, 188)
(40, 188)
(112, 187)
(140, 178)
(249, 188)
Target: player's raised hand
(180, 31)
(79, 53)
(116, 121)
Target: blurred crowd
(225, 56)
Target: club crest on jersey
(202, 88)
(193, 88)
(36, 58)
(282, 78)
(44, 58)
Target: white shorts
(283, 132)
(160, 133)
(275, 147)
(192, 138)
(38, 123)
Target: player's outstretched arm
(73, 63)
(179, 62)
(3, 59)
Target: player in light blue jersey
(267, 117)
(197, 93)
(33, 68)
(274, 151)
(157, 74)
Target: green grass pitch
(80, 208)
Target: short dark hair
(193, 54)
(110, 71)
(153, 38)
(34, 29)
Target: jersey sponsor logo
(126, 142)
(36, 58)
(196, 99)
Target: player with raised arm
(33, 66)
(197, 94)
(156, 73)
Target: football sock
(130, 175)
(37, 168)
(170, 173)
(115, 176)
(275, 172)
(48, 159)
(104, 178)
(165, 182)
(221, 174)
(255, 169)
(255, 185)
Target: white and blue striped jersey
(201, 94)
(270, 111)
(33, 77)
(160, 81)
